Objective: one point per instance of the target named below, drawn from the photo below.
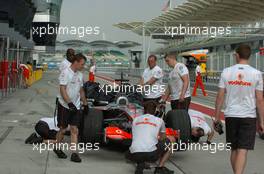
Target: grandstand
(105, 53)
(110, 58)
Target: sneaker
(158, 170)
(37, 140)
(60, 153)
(140, 168)
(147, 166)
(30, 139)
(163, 170)
(168, 170)
(75, 158)
(261, 136)
(139, 171)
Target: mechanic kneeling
(200, 127)
(149, 142)
(46, 130)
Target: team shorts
(66, 117)
(241, 132)
(141, 157)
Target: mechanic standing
(92, 71)
(243, 87)
(25, 74)
(179, 84)
(152, 79)
(198, 81)
(66, 63)
(71, 95)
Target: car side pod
(173, 133)
(115, 133)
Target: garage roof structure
(203, 12)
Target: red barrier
(3, 74)
(14, 72)
(261, 51)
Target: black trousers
(176, 104)
(152, 99)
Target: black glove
(218, 127)
(72, 107)
(85, 109)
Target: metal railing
(10, 83)
(208, 78)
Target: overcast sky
(105, 13)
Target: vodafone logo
(240, 76)
(239, 81)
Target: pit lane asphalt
(21, 110)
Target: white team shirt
(198, 120)
(176, 82)
(197, 70)
(92, 69)
(155, 90)
(50, 122)
(64, 64)
(73, 82)
(145, 131)
(241, 82)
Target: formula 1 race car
(111, 115)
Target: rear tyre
(92, 128)
(179, 120)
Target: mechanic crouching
(149, 142)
